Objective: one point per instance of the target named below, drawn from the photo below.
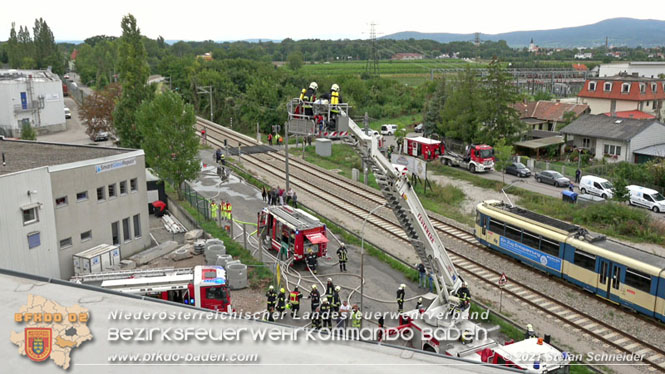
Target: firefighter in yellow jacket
(213, 210)
(294, 300)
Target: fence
(200, 203)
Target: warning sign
(503, 280)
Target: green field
(385, 67)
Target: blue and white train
(612, 270)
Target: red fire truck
(298, 229)
(204, 286)
(425, 148)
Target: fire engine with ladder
(203, 286)
(299, 230)
(402, 199)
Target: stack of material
(237, 275)
(212, 252)
(199, 246)
(172, 224)
(192, 235)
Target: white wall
(51, 117)
(599, 106)
(14, 251)
(644, 70)
(654, 134)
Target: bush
(27, 132)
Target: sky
(340, 19)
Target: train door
(609, 279)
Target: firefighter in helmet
(281, 300)
(330, 289)
(294, 301)
(272, 298)
(311, 260)
(315, 296)
(400, 297)
(307, 96)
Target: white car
(596, 186)
(388, 129)
(646, 198)
(371, 132)
(68, 113)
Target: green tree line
(39, 51)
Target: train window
(549, 247)
(585, 260)
(496, 226)
(513, 233)
(603, 273)
(638, 280)
(531, 239)
(479, 219)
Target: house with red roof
(624, 93)
(543, 116)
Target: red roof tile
(635, 114)
(548, 110)
(615, 93)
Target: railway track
(329, 188)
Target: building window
(34, 240)
(607, 86)
(643, 88)
(86, 236)
(625, 88)
(65, 243)
(112, 191)
(123, 187)
(586, 143)
(137, 226)
(126, 234)
(30, 215)
(82, 196)
(654, 87)
(61, 201)
(114, 233)
(592, 86)
(612, 150)
(134, 185)
(100, 194)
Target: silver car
(552, 177)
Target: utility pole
(258, 133)
(372, 67)
(286, 151)
(206, 90)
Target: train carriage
(610, 269)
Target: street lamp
(362, 255)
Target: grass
(257, 273)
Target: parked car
(388, 129)
(419, 128)
(552, 177)
(68, 113)
(518, 169)
(596, 186)
(101, 136)
(371, 132)
(646, 198)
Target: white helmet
(335, 87)
(313, 86)
(329, 279)
(338, 288)
(314, 286)
(529, 327)
(271, 287)
(341, 244)
(402, 286)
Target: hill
(629, 32)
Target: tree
(621, 193)
(97, 110)
(500, 118)
(295, 60)
(503, 153)
(433, 108)
(169, 140)
(134, 71)
(462, 110)
(27, 132)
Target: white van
(647, 198)
(596, 186)
(388, 129)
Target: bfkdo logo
(38, 343)
(50, 328)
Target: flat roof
(22, 155)
(347, 356)
(540, 143)
(422, 139)
(14, 75)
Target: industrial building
(61, 199)
(30, 96)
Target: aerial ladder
(402, 199)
